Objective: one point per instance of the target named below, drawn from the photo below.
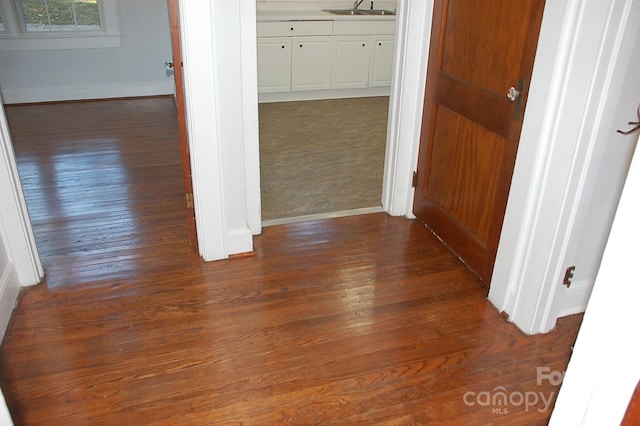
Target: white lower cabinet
(310, 63)
(351, 62)
(317, 56)
(274, 64)
(381, 65)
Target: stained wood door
(174, 18)
(470, 129)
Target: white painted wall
(605, 157)
(134, 69)
(578, 53)
(604, 368)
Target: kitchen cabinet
(351, 62)
(274, 59)
(381, 61)
(307, 59)
(311, 63)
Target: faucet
(356, 4)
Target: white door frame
(22, 266)
(578, 52)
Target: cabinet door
(351, 62)
(274, 64)
(311, 63)
(381, 61)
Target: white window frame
(16, 38)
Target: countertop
(315, 15)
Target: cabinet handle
(283, 46)
(364, 45)
(291, 28)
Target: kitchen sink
(360, 12)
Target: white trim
(249, 58)
(201, 109)
(5, 417)
(123, 90)
(9, 290)
(22, 266)
(568, 85)
(14, 217)
(604, 369)
(413, 29)
(59, 42)
(307, 95)
(577, 297)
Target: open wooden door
(176, 65)
(480, 62)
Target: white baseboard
(313, 95)
(9, 289)
(576, 298)
(239, 241)
(70, 93)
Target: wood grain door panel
(174, 18)
(469, 141)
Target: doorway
(323, 113)
(87, 168)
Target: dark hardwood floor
(359, 320)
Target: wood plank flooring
(358, 320)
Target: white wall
(579, 51)
(604, 367)
(606, 156)
(134, 69)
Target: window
(59, 15)
(58, 24)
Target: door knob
(168, 66)
(513, 94)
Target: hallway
(359, 320)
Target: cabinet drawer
(294, 28)
(363, 27)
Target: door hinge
(414, 180)
(189, 198)
(568, 276)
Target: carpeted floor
(321, 156)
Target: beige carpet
(321, 156)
